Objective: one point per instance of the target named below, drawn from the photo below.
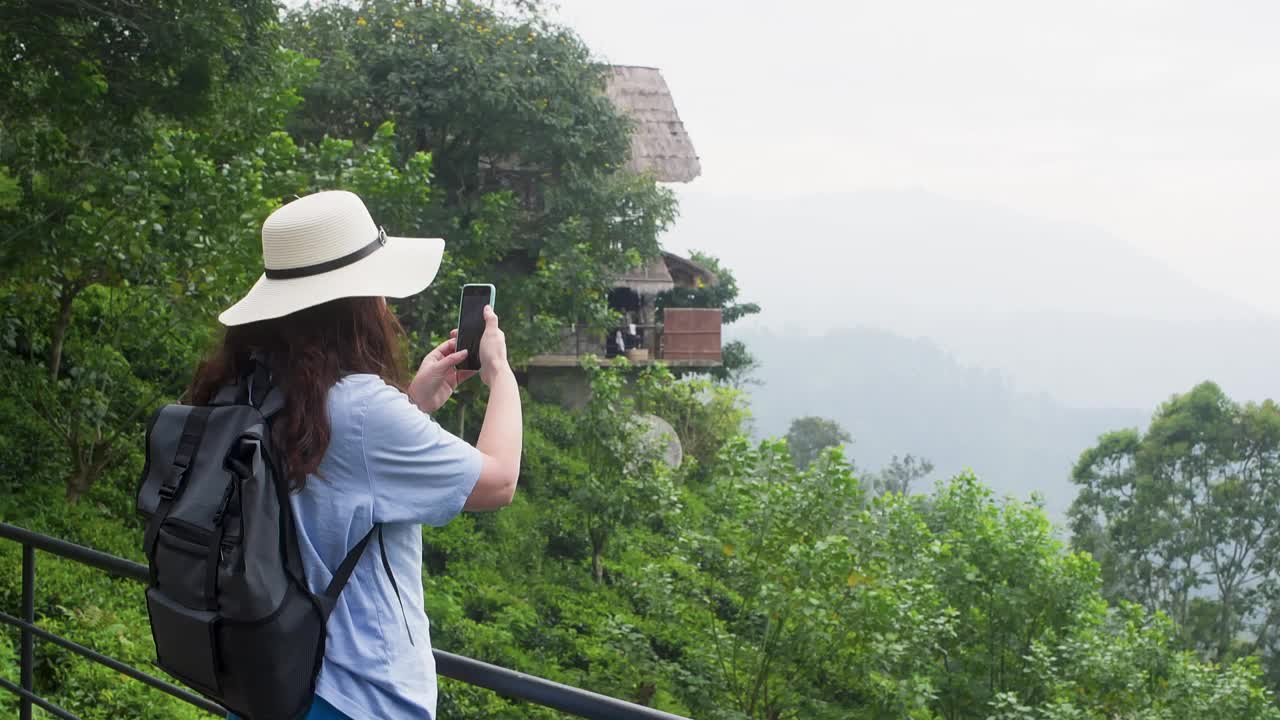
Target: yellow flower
(728, 550)
(361, 22)
(399, 24)
(855, 579)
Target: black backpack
(231, 613)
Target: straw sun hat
(326, 246)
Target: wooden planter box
(691, 334)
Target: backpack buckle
(169, 489)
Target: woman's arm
(501, 434)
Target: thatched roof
(687, 273)
(648, 279)
(659, 143)
(665, 272)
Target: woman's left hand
(438, 375)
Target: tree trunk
(1224, 638)
(87, 465)
(78, 483)
(598, 539)
(65, 299)
(83, 473)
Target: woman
(358, 451)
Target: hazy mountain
(1060, 307)
(896, 396)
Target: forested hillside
(898, 396)
(141, 147)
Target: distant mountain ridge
(1060, 307)
(897, 395)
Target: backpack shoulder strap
(257, 387)
(386, 565)
(193, 428)
(226, 395)
(272, 402)
(329, 598)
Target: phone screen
(471, 322)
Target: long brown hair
(308, 350)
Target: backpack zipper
(220, 515)
(194, 534)
(186, 531)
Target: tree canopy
(527, 151)
(1185, 518)
(809, 436)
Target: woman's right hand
(493, 349)
(502, 433)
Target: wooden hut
(685, 337)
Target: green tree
(705, 415)
(122, 227)
(782, 555)
(89, 114)
(91, 78)
(1183, 518)
(182, 241)
(957, 605)
(900, 475)
(623, 480)
(809, 436)
(1126, 664)
(723, 293)
(527, 150)
(737, 365)
(127, 207)
(1011, 584)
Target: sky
(1157, 122)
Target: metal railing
(509, 683)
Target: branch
(92, 9)
(42, 413)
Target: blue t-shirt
(390, 463)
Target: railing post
(27, 639)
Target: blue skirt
(320, 710)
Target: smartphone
(471, 321)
